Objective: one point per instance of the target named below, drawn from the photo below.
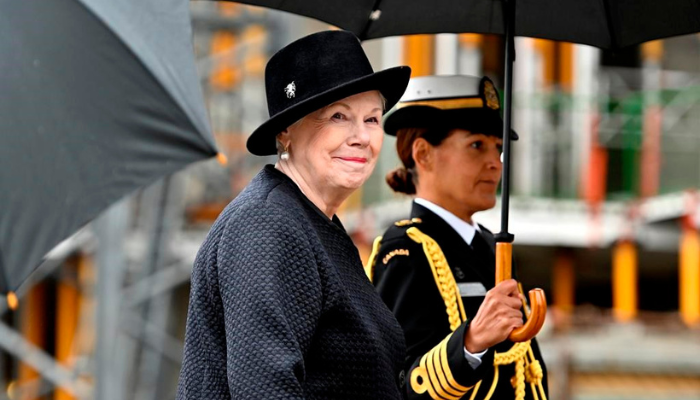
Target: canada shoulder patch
(391, 254)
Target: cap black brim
(476, 120)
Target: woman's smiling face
(336, 148)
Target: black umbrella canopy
(97, 99)
(607, 24)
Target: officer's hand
(498, 315)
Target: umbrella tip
(221, 157)
(12, 301)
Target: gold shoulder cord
(443, 277)
(369, 267)
(527, 368)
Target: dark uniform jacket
(405, 281)
(281, 308)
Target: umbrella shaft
(509, 27)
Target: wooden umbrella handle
(538, 302)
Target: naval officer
(436, 269)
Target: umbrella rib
(365, 30)
(609, 21)
(4, 282)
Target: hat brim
(476, 120)
(391, 83)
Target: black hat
(316, 71)
(458, 101)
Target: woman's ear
(283, 138)
(422, 153)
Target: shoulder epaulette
(391, 234)
(407, 222)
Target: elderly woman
(436, 270)
(280, 307)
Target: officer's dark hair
(403, 179)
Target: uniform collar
(463, 228)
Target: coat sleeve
(269, 285)
(435, 364)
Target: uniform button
(402, 379)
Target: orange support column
(33, 322)
(689, 277)
(566, 66)
(226, 74)
(418, 54)
(595, 175)
(471, 40)
(547, 51)
(594, 183)
(255, 58)
(624, 281)
(689, 265)
(67, 312)
(229, 9)
(650, 163)
(564, 284)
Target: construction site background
(604, 211)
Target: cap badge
(491, 96)
(290, 90)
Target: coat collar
(279, 176)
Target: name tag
(471, 289)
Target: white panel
(446, 54)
